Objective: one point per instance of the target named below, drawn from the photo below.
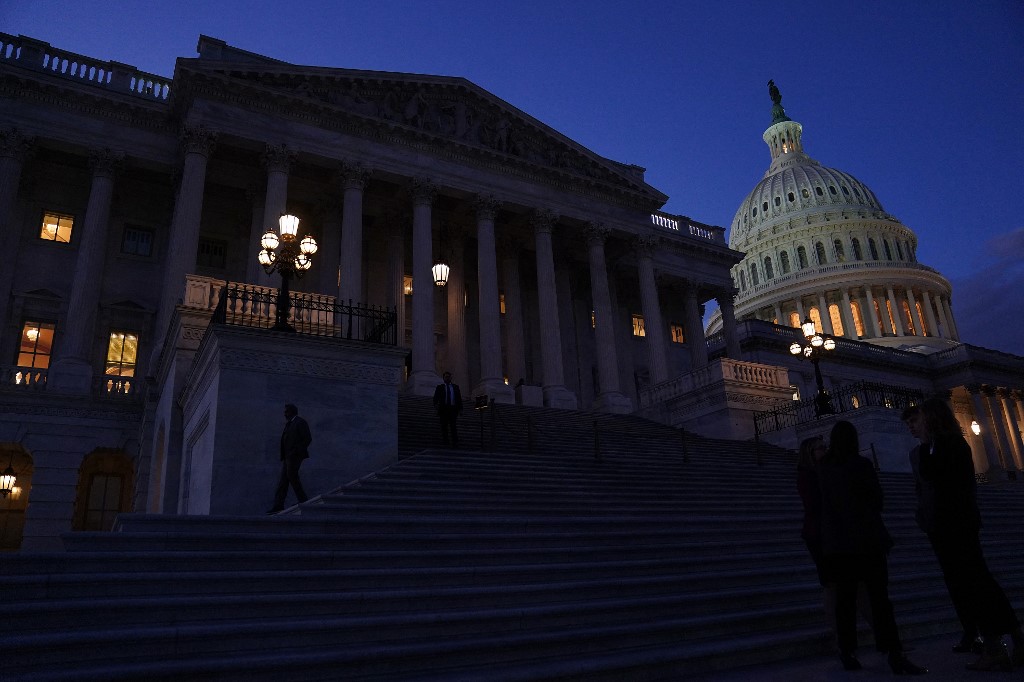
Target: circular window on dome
(805, 193)
(856, 191)
(832, 188)
(791, 196)
(819, 191)
(846, 190)
(764, 206)
(754, 212)
(778, 201)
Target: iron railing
(845, 399)
(311, 314)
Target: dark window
(873, 249)
(778, 201)
(791, 196)
(137, 241)
(784, 261)
(819, 192)
(857, 253)
(212, 253)
(840, 253)
(768, 272)
(819, 251)
(103, 501)
(801, 257)
(754, 281)
(832, 189)
(888, 251)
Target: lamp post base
(823, 404)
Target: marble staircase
(537, 557)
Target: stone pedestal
(530, 395)
(233, 415)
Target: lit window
(908, 320)
(816, 318)
(104, 501)
(36, 345)
(638, 326)
(407, 285)
(858, 319)
(137, 241)
(924, 320)
(212, 253)
(678, 336)
(794, 320)
(804, 193)
(796, 391)
(57, 227)
(501, 306)
(855, 401)
(593, 320)
(122, 352)
(837, 319)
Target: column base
(422, 383)
(613, 402)
(496, 390)
(70, 375)
(560, 397)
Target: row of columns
(937, 319)
(71, 370)
(1000, 414)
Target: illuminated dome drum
(819, 244)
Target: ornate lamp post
(816, 346)
(292, 259)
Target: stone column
(72, 369)
(896, 312)
(15, 149)
(800, 312)
(778, 314)
(826, 317)
(253, 270)
(515, 352)
(732, 341)
(198, 143)
(456, 361)
(994, 409)
(610, 398)
(424, 378)
(328, 256)
(871, 314)
(492, 382)
(915, 316)
(929, 314)
(846, 313)
(396, 276)
(981, 414)
(954, 332)
(1009, 416)
(655, 333)
(277, 160)
(694, 326)
(354, 178)
(553, 374)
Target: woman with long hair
(855, 544)
(948, 513)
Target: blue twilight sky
(922, 100)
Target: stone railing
(720, 370)
(815, 271)
(103, 385)
(683, 226)
(41, 56)
(205, 293)
(28, 378)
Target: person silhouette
(448, 403)
(295, 441)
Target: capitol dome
(819, 244)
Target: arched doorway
(13, 505)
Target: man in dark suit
(294, 448)
(448, 403)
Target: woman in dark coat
(811, 452)
(855, 544)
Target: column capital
(424, 191)
(974, 389)
(646, 244)
(486, 206)
(15, 145)
(596, 233)
(105, 162)
(353, 175)
(197, 139)
(277, 158)
(988, 390)
(543, 220)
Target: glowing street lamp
(816, 346)
(292, 259)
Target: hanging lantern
(7, 481)
(289, 225)
(440, 272)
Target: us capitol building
(185, 255)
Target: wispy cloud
(989, 303)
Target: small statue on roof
(778, 113)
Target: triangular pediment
(449, 109)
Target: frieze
(275, 363)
